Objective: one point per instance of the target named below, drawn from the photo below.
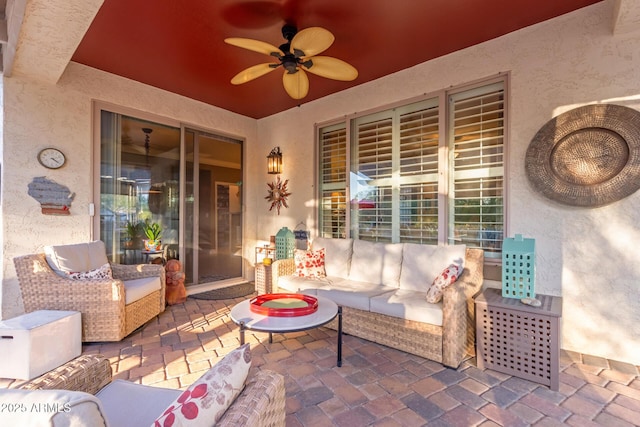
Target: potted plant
(153, 232)
(133, 231)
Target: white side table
(37, 342)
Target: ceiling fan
(296, 56)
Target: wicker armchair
(105, 316)
(261, 403)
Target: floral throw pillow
(448, 276)
(310, 263)
(100, 273)
(207, 399)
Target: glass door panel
(199, 212)
(213, 203)
(139, 175)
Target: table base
(339, 361)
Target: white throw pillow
(207, 399)
(447, 277)
(310, 263)
(102, 273)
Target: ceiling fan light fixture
(290, 64)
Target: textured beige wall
(588, 256)
(585, 255)
(38, 115)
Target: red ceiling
(178, 45)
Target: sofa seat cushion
(79, 257)
(129, 404)
(421, 264)
(350, 293)
(408, 305)
(54, 408)
(337, 255)
(136, 289)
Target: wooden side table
(263, 279)
(518, 339)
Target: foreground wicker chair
(105, 316)
(261, 403)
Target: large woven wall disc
(589, 156)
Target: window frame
(444, 130)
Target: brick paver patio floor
(377, 385)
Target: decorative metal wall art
(278, 194)
(588, 156)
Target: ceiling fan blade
(254, 45)
(252, 73)
(311, 41)
(296, 84)
(332, 68)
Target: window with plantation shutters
(333, 178)
(371, 183)
(428, 172)
(418, 140)
(476, 184)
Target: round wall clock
(51, 158)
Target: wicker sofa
(260, 403)
(382, 290)
(111, 308)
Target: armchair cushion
(130, 404)
(80, 257)
(56, 408)
(139, 288)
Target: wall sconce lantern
(274, 162)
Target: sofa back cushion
(337, 258)
(80, 257)
(421, 264)
(377, 263)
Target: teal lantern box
(285, 243)
(518, 267)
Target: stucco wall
(588, 256)
(585, 255)
(37, 115)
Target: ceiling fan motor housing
(299, 51)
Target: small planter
(152, 245)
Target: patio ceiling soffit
(626, 16)
(48, 37)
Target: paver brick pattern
(377, 385)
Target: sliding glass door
(213, 207)
(139, 177)
(187, 181)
